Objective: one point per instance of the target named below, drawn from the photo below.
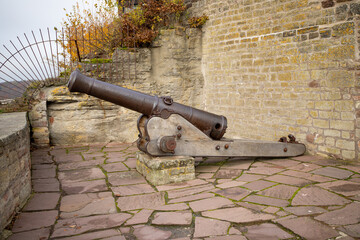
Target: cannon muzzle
(211, 124)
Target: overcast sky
(21, 16)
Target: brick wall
(285, 66)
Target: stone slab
(299, 182)
(46, 185)
(266, 201)
(125, 178)
(190, 198)
(44, 173)
(142, 217)
(79, 165)
(165, 170)
(258, 185)
(228, 173)
(333, 172)
(84, 187)
(238, 215)
(350, 214)
(141, 201)
(305, 210)
(233, 193)
(151, 233)
(39, 234)
(343, 187)
(172, 218)
(115, 167)
(74, 226)
(195, 184)
(42, 201)
(279, 191)
(210, 203)
(34, 220)
(81, 175)
(308, 228)
(132, 190)
(80, 205)
(104, 234)
(266, 231)
(205, 227)
(315, 196)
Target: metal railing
(48, 57)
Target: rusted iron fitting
(167, 144)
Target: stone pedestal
(164, 170)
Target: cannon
(167, 128)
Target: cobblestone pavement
(94, 192)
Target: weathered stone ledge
(15, 178)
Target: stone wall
(15, 179)
(290, 66)
(171, 68)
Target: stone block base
(164, 170)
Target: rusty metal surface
(211, 124)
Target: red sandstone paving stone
(141, 217)
(130, 163)
(289, 180)
(333, 172)
(266, 201)
(345, 188)
(328, 162)
(315, 196)
(214, 160)
(308, 176)
(350, 214)
(41, 159)
(43, 173)
(87, 204)
(79, 165)
(351, 230)
(115, 167)
(230, 184)
(252, 206)
(271, 210)
(238, 164)
(205, 175)
(132, 190)
(266, 231)
(206, 169)
(192, 198)
(356, 180)
(190, 183)
(228, 173)
(227, 237)
(205, 227)
(245, 177)
(72, 157)
(84, 187)
(42, 201)
(210, 203)
(224, 180)
(46, 185)
(34, 220)
(235, 193)
(141, 201)
(189, 191)
(286, 163)
(43, 166)
(172, 218)
(305, 167)
(279, 191)
(238, 215)
(307, 158)
(264, 170)
(125, 178)
(150, 233)
(309, 228)
(305, 210)
(74, 226)
(97, 235)
(92, 155)
(39, 234)
(258, 185)
(354, 168)
(81, 175)
(120, 237)
(173, 207)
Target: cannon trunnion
(167, 128)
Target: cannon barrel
(211, 124)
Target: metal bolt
(179, 128)
(178, 135)
(217, 147)
(226, 146)
(285, 149)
